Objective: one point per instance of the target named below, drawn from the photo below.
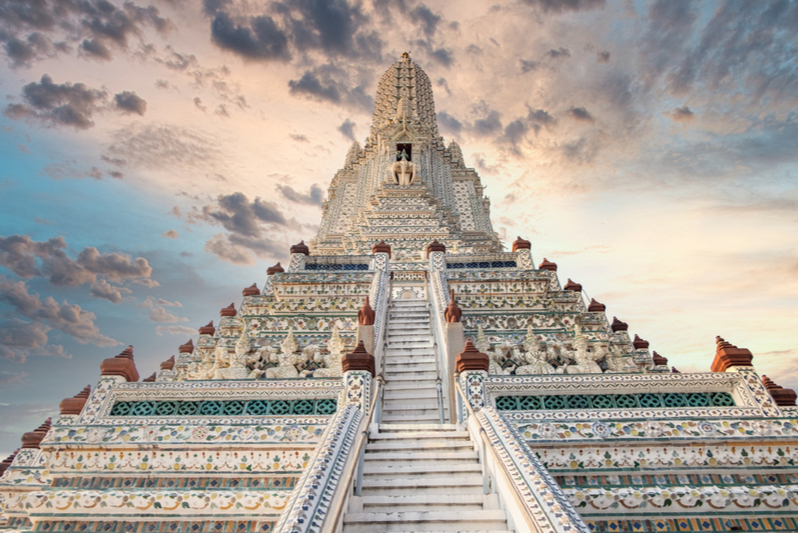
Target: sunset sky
(648, 148)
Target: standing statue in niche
(585, 362)
(285, 360)
(236, 367)
(332, 359)
(536, 358)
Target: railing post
(439, 396)
(483, 463)
(360, 471)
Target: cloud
(103, 289)
(448, 122)
(603, 56)
(528, 66)
(327, 83)
(68, 318)
(314, 196)
(159, 314)
(681, 114)
(489, 125)
(171, 234)
(299, 137)
(150, 302)
(561, 53)
(175, 330)
(12, 377)
(160, 146)
(129, 102)
(58, 104)
(347, 128)
(422, 15)
(28, 258)
(581, 114)
(563, 6)
(221, 246)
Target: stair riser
(422, 507)
(417, 491)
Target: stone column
(366, 327)
(358, 369)
(473, 369)
(454, 332)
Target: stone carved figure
(585, 362)
(332, 359)
(234, 366)
(204, 369)
(614, 360)
(536, 358)
(402, 172)
(496, 359)
(285, 360)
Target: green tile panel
(614, 401)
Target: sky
(156, 156)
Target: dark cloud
(68, 318)
(528, 66)
(603, 56)
(423, 15)
(561, 53)
(579, 151)
(62, 104)
(238, 215)
(103, 289)
(258, 38)
(28, 28)
(442, 56)
(129, 102)
(580, 113)
(20, 339)
(682, 114)
(448, 122)
(441, 82)
(314, 196)
(562, 6)
(28, 258)
(538, 118)
(347, 128)
(489, 125)
(328, 83)
(299, 137)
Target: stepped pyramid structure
(404, 373)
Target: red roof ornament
(359, 359)
(453, 312)
(366, 315)
(186, 348)
(658, 360)
(596, 307)
(301, 248)
(74, 405)
(572, 286)
(435, 246)
(618, 325)
(783, 397)
(520, 244)
(640, 344)
(5, 463)
(150, 378)
(228, 311)
(121, 365)
(675, 370)
(274, 269)
(32, 439)
(548, 265)
(208, 329)
(382, 248)
(169, 364)
(471, 359)
(252, 290)
(728, 356)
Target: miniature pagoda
(405, 373)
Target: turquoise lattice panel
(226, 408)
(614, 401)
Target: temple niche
(406, 371)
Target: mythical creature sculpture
(496, 359)
(285, 360)
(204, 369)
(585, 362)
(234, 366)
(332, 359)
(536, 358)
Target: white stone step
(411, 385)
(396, 406)
(428, 482)
(407, 427)
(422, 470)
(429, 417)
(426, 502)
(394, 330)
(425, 521)
(410, 394)
(409, 301)
(409, 352)
(410, 367)
(393, 377)
(424, 457)
(400, 361)
(408, 315)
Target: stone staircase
(419, 475)
(410, 365)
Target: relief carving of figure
(615, 361)
(204, 369)
(496, 359)
(234, 366)
(285, 360)
(332, 359)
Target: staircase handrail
(342, 497)
(440, 344)
(573, 523)
(380, 346)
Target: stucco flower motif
(601, 429)
(246, 433)
(95, 435)
(200, 433)
(547, 431)
(652, 429)
(705, 427)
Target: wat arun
(403, 371)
